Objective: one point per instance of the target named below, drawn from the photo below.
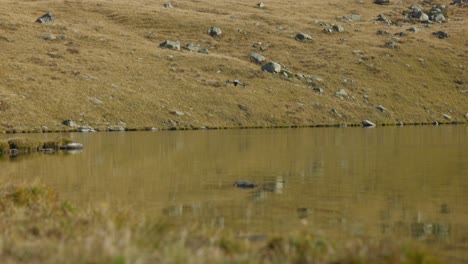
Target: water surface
(404, 182)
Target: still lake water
(403, 182)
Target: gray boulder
(243, 107)
(392, 44)
(168, 5)
(203, 51)
(367, 123)
(416, 8)
(447, 116)
(257, 58)
(303, 37)
(272, 67)
(47, 19)
(383, 32)
(381, 108)
(215, 31)
(338, 28)
(168, 44)
(382, 2)
(413, 29)
(116, 128)
(192, 47)
(178, 113)
(385, 19)
(261, 5)
(341, 93)
(86, 129)
(72, 146)
(441, 34)
(317, 89)
(69, 123)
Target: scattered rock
(48, 151)
(303, 37)
(97, 101)
(243, 107)
(178, 113)
(192, 47)
(317, 89)
(441, 34)
(272, 67)
(447, 116)
(85, 129)
(381, 108)
(460, 3)
(382, 2)
(215, 31)
(243, 184)
(261, 5)
(116, 128)
(392, 44)
(203, 51)
(367, 123)
(466, 115)
(416, 8)
(401, 34)
(385, 19)
(383, 32)
(72, 146)
(351, 18)
(338, 28)
(69, 123)
(327, 30)
(413, 29)
(419, 15)
(49, 37)
(341, 93)
(168, 5)
(257, 58)
(168, 44)
(47, 19)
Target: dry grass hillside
(105, 65)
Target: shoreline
(193, 128)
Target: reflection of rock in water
(273, 184)
(424, 230)
(302, 212)
(444, 209)
(181, 209)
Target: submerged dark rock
(243, 184)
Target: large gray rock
(69, 123)
(419, 15)
(86, 129)
(72, 146)
(168, 5)
(303, 37)
(341, 93)
(385, 19)
(382, 2)
(338, 28)
(47, 18)
(168, 44)
(192, 47)
(381, 108)
(215, 31)
(368, 123)
(258, 58)
(116, 128)
(441, 34)
(272, 67)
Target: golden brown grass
(36, 226)
(108, 50)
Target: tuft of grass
(4, 147)
(24, 145)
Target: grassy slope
(111, 53)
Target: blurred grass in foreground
(36, 226)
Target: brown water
(404, 182)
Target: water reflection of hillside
(404, 182)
